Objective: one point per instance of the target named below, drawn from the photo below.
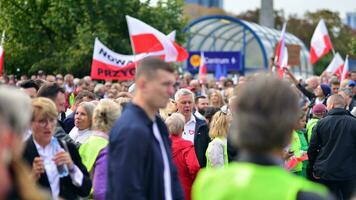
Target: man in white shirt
(195, 129)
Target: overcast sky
(293, 6)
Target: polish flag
(2, 53)
(145, 39)
(281, 59)
(320, 42)
(335, 65)
(345, 70)
(202, 68)
(1, 60)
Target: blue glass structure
(207, 3)
(255, 42)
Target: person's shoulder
(200, 122)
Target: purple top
(100, 175)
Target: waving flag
(336, 64)
(320, 42)
(1, 60)
(2, 53)
(281, 59)
(345, 70)
(145, 39)
(108, 65)
(202, 68)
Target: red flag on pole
(281, 59)
(202, 68)
(2, 54)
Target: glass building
(207, 3)
(256, 43)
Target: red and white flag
(2, 54)
(108, 65)
(203, 71)
(281, 58)
(1, 60)
(335, 65)
(320, 43)
(345, 70)
(145, 39)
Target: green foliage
(58, 36)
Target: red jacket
(186, 161)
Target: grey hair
(267, 111)
(347, 91)
(175, 123)
(15, 109)
(89, 109)
(98, 87)
(182, 92)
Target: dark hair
(50, 90)
(85, 93)
(29, 84)
(149, 66)
(228, 81)
(209, 112)
(199, 97)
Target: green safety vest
(249, 181)
(298, 146)
(310, 125)
(90, 150)
(226, 160)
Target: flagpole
(132, 46)
(2, 38)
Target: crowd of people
(170, 136)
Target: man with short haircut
(140, 160)
(201, 102)
(267, 110)
(56, 93)
(349, 101)
(30, 87)
(332, 150)
(335, 85)
(195, 129)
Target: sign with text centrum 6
(213, 59)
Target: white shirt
(189, 129)
(47, 153)
(80, 136)
(166, 168)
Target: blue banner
(220, 62)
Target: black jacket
(67, 189)
(201, 140)
(332, 150)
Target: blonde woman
(216, 153)
(94, 150)
(216, 99)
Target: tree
(58, 36)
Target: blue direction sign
(227, 60)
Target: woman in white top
(82, 122)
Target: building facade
(207, 3)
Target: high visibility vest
(251, 181)
(226, 160)
(310, 125)
(90, 150)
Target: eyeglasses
(44, 122)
